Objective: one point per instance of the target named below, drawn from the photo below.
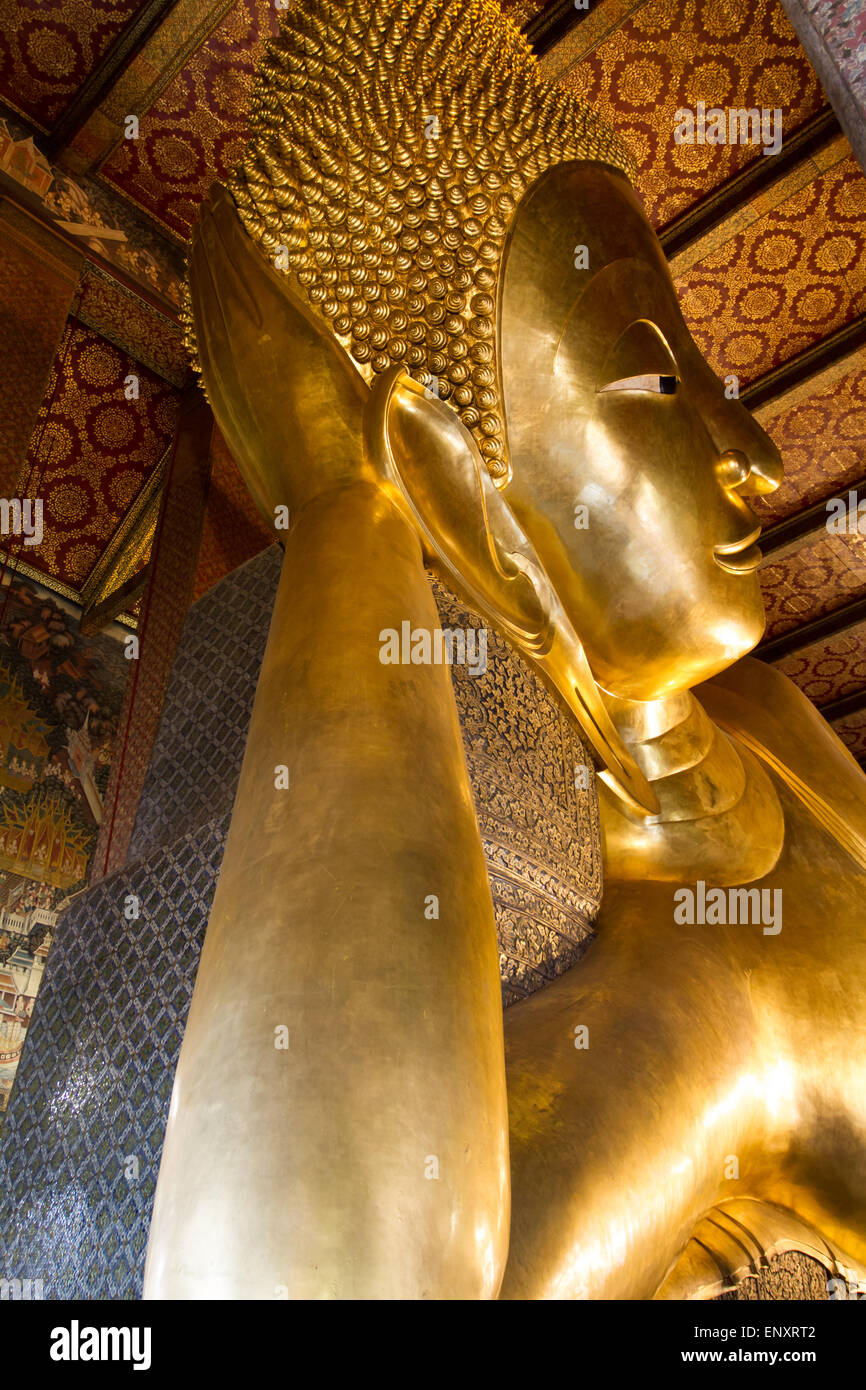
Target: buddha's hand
(285, 395)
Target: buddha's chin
(688, 664)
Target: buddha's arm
(766, 712)
(368, 1157)
(619, 1148)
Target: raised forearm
(375, 1144)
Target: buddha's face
(631, 467)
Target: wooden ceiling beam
(810, 524)
(830, 350)
(844, 708)
(817, 630)
(728, 197)
(552, 24)
(105, 74)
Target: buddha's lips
(739, 557)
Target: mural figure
(59, 705)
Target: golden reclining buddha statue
(433, 319)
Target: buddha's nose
(757, 471)
(732, 468)
(748, 461)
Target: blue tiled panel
(91, 1097)
(196, 759)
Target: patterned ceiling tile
(822, 441)
(92, 450)
(671, 54)
(181, 31)
(784, 283)
(814, 580)
(829, 670)
(133, 325)
(852, 731)
(196, 131)
(233, 530)
(46, 51)
(762, 202)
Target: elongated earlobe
(434, 472)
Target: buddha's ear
(288, 399)
(435, 473)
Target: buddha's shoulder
(764, 710)
(755, 699)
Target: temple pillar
(164, 606)
(831, 32)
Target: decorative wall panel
(233, 530)
(38, 283)
(195, 132)
(108, 225)
(92, 449)
(167, 597)
(59, 700)
(44, 58)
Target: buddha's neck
(719, 817)
(693, 767)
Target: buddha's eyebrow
(642, 279)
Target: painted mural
(60, 700)
(82, 208)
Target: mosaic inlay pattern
(110, 1017)
(540, 834)
(198, 750)
(83, 1136)
(789, 1276)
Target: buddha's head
(629, 464)
(437, 207)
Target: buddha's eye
(663, 385)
